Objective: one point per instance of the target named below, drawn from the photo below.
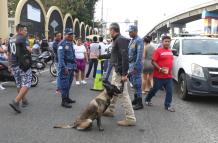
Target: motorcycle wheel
(53, 70)
(35, 80)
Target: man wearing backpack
(20, 65)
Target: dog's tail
(64, 126)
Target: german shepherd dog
(95, 109)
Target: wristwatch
(160, 69)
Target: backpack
(23, 57)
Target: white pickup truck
(195, 65)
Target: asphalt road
(195, 121)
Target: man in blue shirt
(66, 67)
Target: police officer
(66, 67)
(135, 65)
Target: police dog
(95, 109)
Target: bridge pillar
(180, 29)
(4, 19)
(158, 37)
(172, 32)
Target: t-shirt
(15, 45)
(94, 50)
(79, 51)
(164, 58)
(103, 48)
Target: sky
(148, 13)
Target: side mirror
(175, 52)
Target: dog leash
(122, 86)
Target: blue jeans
(64, 82)
(108, 72)
(136, 81)
(158, 84)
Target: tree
(82, 9)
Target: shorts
(22, 79)
(81, 64)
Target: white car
(195, 65)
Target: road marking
(4, 82)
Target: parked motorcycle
(6, 76)
(53, 69)
(46, 56)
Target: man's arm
(61, 55)
(2, 50)
(123, 50)
(155, 58)
(140, 48)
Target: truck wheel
(183, 92)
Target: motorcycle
(53, 69)
(5, 75)
(46, 56)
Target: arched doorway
(32, 14)
(55, 21)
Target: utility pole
(102, 15)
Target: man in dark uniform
(66, 67)
(136, 47)
(20, 63)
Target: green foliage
(82, 9)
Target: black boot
(65, 104)
(139, 104)
(134, 102)
(68, 100)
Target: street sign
(54, 24)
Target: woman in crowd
(81, 60)
(147, 80)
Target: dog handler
(120, 62)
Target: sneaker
(1, 87)
(83, 82)
(108, 114)
(148, 103)
(15, 105)
(77, 83)
(126, 122)
(170, 109)
(25, 103)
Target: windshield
(200, 47)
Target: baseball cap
(69, 31)
(133, 28)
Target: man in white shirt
(94, 53)
(102, 49)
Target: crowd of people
(147, 68)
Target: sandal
(170, 109)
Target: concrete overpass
(179, 20)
